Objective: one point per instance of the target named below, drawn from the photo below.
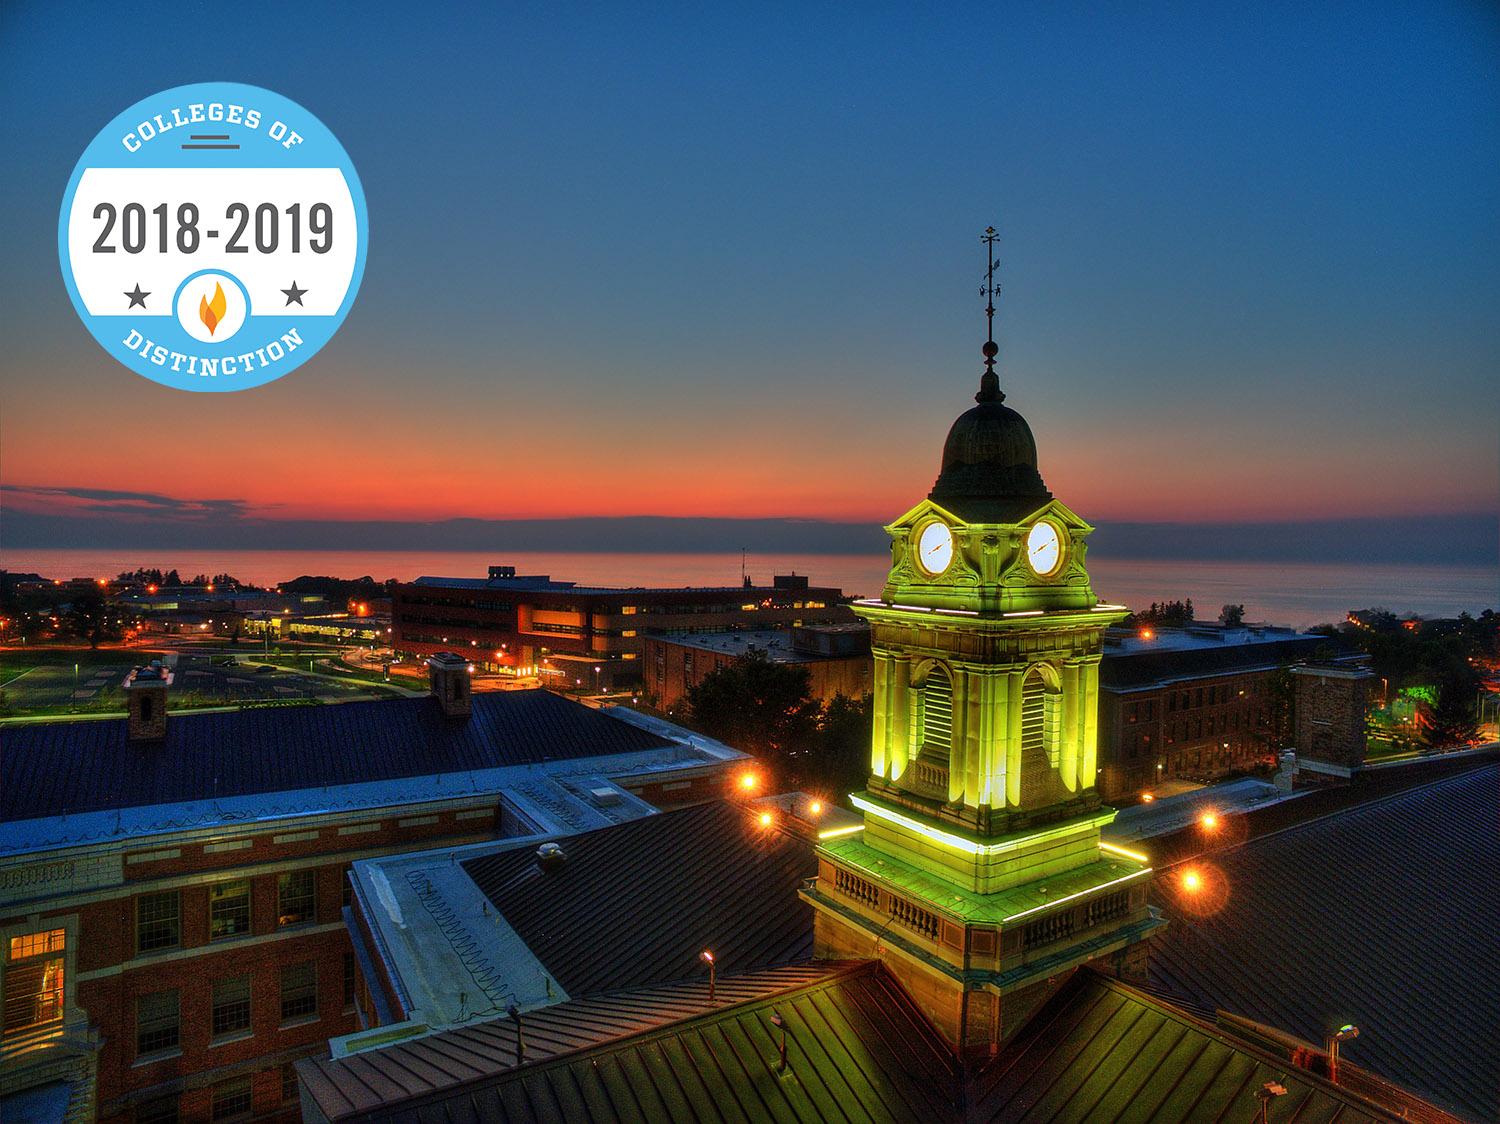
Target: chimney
(449, 675)
(146, 699)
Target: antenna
(989, 382)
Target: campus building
(589, 637)
(173, 886)
(835, 656)
(1199, 702)
(968, 945)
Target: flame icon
(211, 312)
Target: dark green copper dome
(990, 453)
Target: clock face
(935, 548)
(1043, 549)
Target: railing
(853, 886)
(914, 917)
(928, 778)
(1107, 908)
(1048, 929)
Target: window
(231, 1006)
(296, 898)
(288, 1083)
(231, 1099)
(348, 980)
(163, 1110)
(937, 715)
(228, 910)
(156, 1022)
(299, 991)
(158, 921)
(34, 970)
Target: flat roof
(72, 783)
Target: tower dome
(990, 452)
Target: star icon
(137, 298)
(294, 294)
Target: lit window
(296, 898)
(231, 1099)
(228, 910)
(299, 991)
(231, 1006)
(33, 982)
(158, 921)
(157, 1026)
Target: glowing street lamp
(1192, 881)
(1343, 1034)
(713, 971)
(748, 782)
(1209, 822)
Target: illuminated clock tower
(979, 876)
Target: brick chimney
(449, 675)
(146, 700)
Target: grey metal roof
(634, 904)
(1384, 915)
(51, 768)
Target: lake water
(1299, 594)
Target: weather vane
(989, 383)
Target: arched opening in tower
(1041, 783)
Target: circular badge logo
(213, 236)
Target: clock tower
(980, 877)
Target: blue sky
(697, 263)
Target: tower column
(881, 741)
(959, 742)
(1011, 747)
(1070, 747)
(1088, 680)
(900, 743)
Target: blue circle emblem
(213, 236)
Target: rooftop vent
(550, 857)
(604, 796)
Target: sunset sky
(681, 263)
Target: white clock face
(1043, 549)
(935, 548)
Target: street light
(713, 971)
(1343, 1034)
(780, 1024)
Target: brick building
(173, 887)
(587, 636)
(1329, 707)
(1193, 703)
(836, 656)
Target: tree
(89, 619)
(1451, 721)
(1232, 616)
(758, 706)
(842, 762)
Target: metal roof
(857, 1049)
(1384, 915)
(443, 1062)
(1101, 1051)
(634, 904)
(55, 768)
